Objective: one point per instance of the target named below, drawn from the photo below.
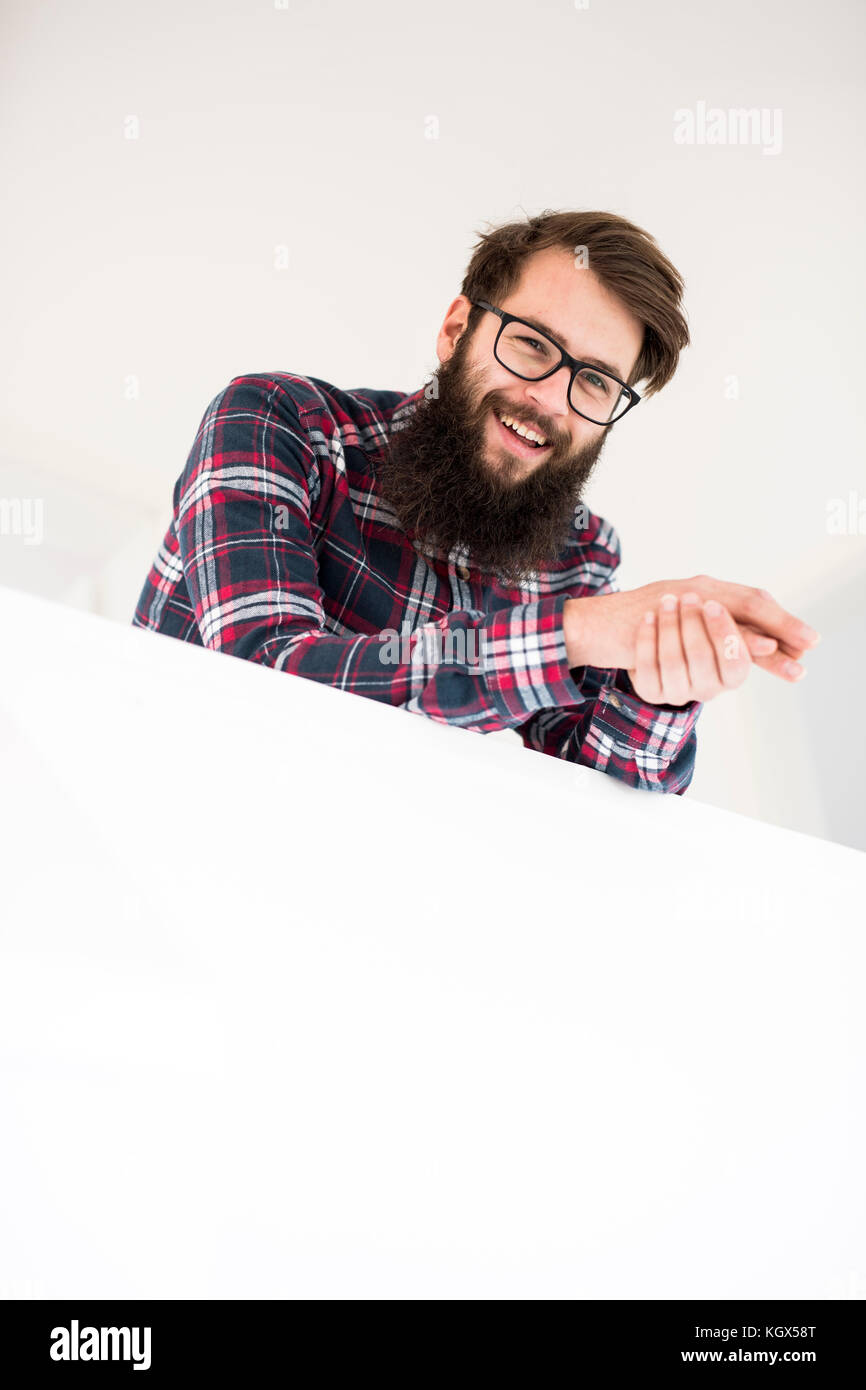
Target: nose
(551, 395)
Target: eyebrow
(551, 333)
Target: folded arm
(248, 524)
(648, 746)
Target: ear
(453, 327)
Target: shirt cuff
(628, 716)
(526, 661)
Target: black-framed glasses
(596, 395)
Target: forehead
(586, 318)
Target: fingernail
(809, 634)
(712, 607)
(649, 617)
(669, 603)
(689, 599)
(792, 669)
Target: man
(348, 536)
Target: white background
(307, 127)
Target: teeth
(522, 429)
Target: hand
(690, 654)
(601, 630)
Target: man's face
(456, 475)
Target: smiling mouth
(524, 448)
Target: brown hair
(626, 259)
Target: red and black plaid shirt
(280, 550)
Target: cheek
(585, 432)
(492, 386)
(494, 378)
(481, 375)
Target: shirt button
(463, 571)
(614, 700)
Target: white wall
(139, 276)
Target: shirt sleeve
(651, 747)
(247, 529)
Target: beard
(437, 478)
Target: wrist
(575, 626)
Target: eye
(600, 383)
(542, 347)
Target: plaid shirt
(281, 550)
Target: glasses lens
(523, 351)
(598, 396)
